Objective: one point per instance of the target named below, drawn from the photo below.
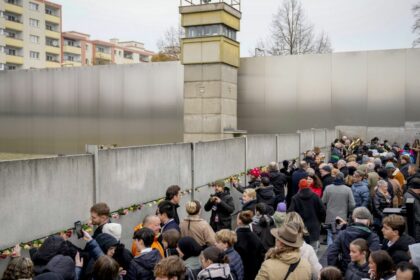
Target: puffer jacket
(380, 202)
(357, 272)
(279, 182)
(339, 252)
(235, 263)
(199, 229)
(215, 271)
(275, 269)
(261, 226)
(221, 213)
(266, 195)
(361, 194)
(142, 267)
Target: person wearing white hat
(113, 229)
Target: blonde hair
(226, 236)
(294, 217)
(250, 193)
(193, 207)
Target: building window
(51, 42)
(33, 6)
(101, 49)
(14, 2)
(50, 11)
(34, 22)
(11, 52)
(210, 30)
(51, 57)
(11, 67)
(10, 34)
(12, 18)
(34, 39)
(34, 55)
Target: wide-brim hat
(289, 235)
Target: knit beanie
(303, 183)
(281, 207)
(112, 229)
(189, 247)
(106, 241)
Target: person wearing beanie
(310, 207)
(395, 173)
(121, 255)
(189, 250)
(280, 214)
(196, 227)
(414, 192)
(266, 193)
(339, 201)
(107, 243)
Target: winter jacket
(345, 171)
(361, 194)
(171, 224)
(198, 229)
(142, 267)
(327, 180)
(399, 250)
(296, 177)
(155, 245)
(261, 226)
(279, 182)
(276, 269)
(175, 211)
(310, 208)
(404, 170)
(98, 230)
(339, 201)
(250, 205)
(266, 195)
(215, 271)
(380, 202)
(53, 245)
(339, 252)
(307, 252)
(235, 263)
(221, 213)
(411, 194)
(62, 265)
(315, 190)
(122, 256)
(193, 266)
(251, 250)
(357, 272)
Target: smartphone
(78, 229)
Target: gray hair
(310, 171)
(382, 183)
(362, 215)
(273, 166)
(341, 162)
(370, 167)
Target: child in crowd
(225, 239)
(359, 267)
(215, 264)
(381, 266)
(170, 242)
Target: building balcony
(14, 59)
(68, 63)
(103, 56)
(18, 43)
(2, 57)
(13, 8)
(14, 25)
(53, 19)
(53, 64)
(53, 34)
(53, 50)
(72, 49)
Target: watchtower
(210, 54)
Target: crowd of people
(286, 213)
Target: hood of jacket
(266, 192)
(53, 245)
(249, 204)
(290, 257)
(215, 271)
(305, 193)
(357, 231)
(193, 218)
(148, 260)
(62, 265)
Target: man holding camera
(339, 251)
(221, 206)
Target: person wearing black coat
(296, 177)
(248, 246)
(266, 194)
(278, 180)
(326, 177)
(142, 267)
(310, 207)
(262, 223)
(221, 206)
(123, 256)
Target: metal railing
(236, 4)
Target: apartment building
(30, 34)
(80, 50)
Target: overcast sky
(352, 25)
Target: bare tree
(169, 45)
(416, 25)
(291, 33)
